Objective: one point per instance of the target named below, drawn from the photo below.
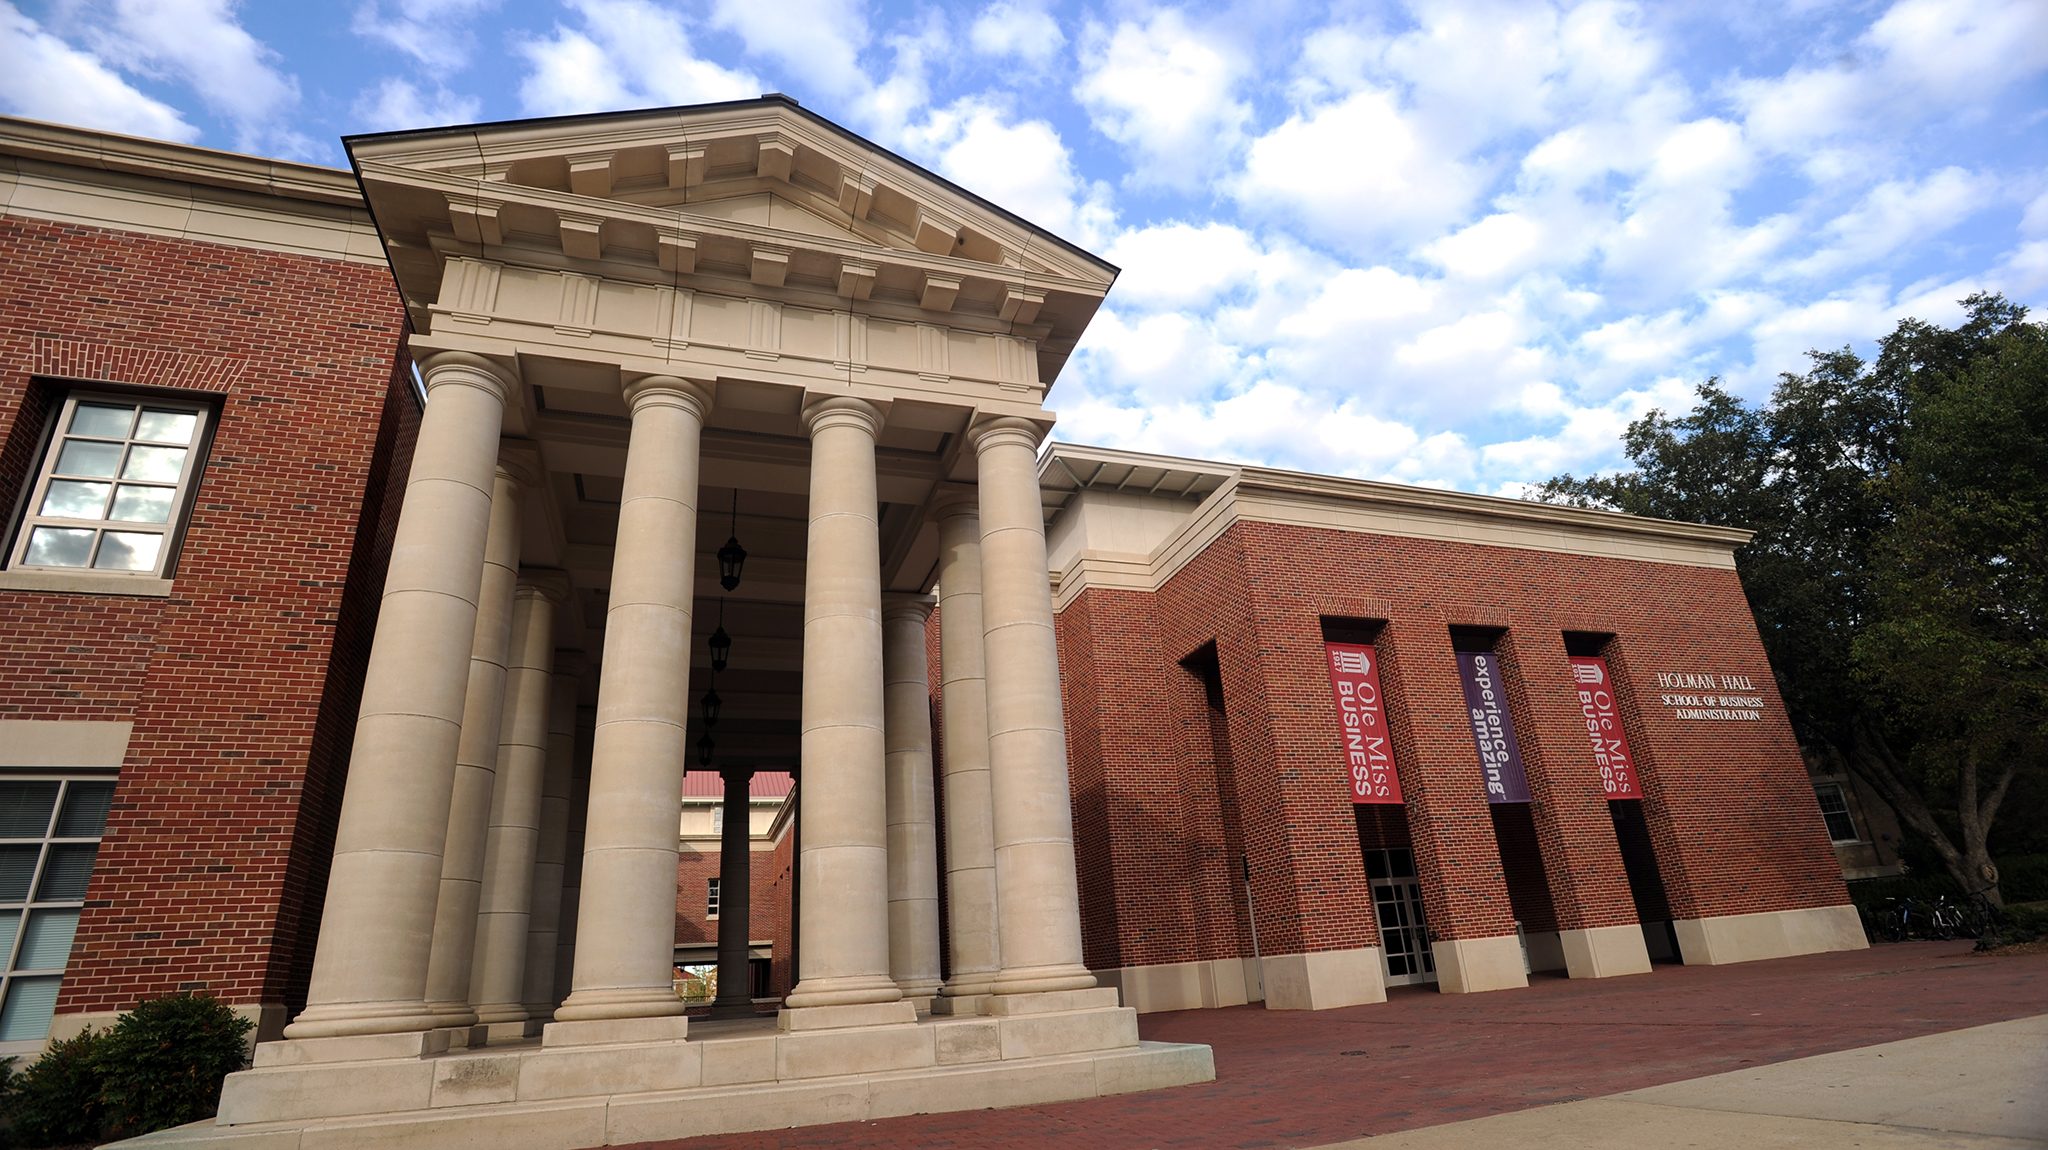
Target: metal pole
(1252, 916)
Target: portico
(625, 325)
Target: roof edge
(93, 148)
(1369, 491)
(771, 99)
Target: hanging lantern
(721, 643)
(711, 703)
(705, 748)
(732, 557)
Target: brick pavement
(1299, 1079)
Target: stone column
(476, 758)
(913, 839)
(544, 927)
(505, 909)
(377, 928)
(1040, 916)
(625, 928)
(572, 857)
(963, 703)
(735, 896)
(843, 918)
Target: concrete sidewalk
(1984, 1088)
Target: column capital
(1004, 430)
(690, 395)
(519, 462)
(461, 368)
(842, 411)
(736, 776)
(899, 605)
(956, 500)
(544, 583)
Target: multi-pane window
(112, 486)
(710, 898)
(49, 836)
(1834, 807)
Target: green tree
(1898, 567)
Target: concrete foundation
(728, 1076)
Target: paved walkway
(1294, 1079)
(1985, 1088)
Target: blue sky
(1450, 243)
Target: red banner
(1603, 728)
(1362, 723)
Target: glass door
(1404, 935)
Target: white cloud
(1166, 91)
(433, 32)
(816, 41)
(396, 103)
(47, 79)
(200, 45)
(1182, 265)
(1589, 435)
(1021, 164)
(1922, 58)
(1153, 357)
(1894, 214)
(1357, 171)
(1502, 244)
(1006, 29)
(628, 53)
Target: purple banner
(1493, 728)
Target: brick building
(209, 409)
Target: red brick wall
(781, 869)
(1730, 811)
(697, 863)
(229, 679)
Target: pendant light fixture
(732, 557)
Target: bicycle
(1944, 919)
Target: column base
(1470, 965)
(1769, 934)
(607, 1031)
(961, 1006)
(306, 1051)
(491, 1013)
(733, 1008)
(855, 990)
(1040, 979)
(1605, 951)
(627, 1002)
(970, 984)
(350, 1019)
(453, 1014)
(1326, 979)
(801, 1018)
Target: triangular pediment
(759, 189)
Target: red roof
(707, 785)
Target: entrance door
(1404, 936)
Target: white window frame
(172, 529)
(1847, 811)
(30, 904)
(711, 897)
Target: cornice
(108, 151)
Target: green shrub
(56, 1101)
(163, 1062)
(2023, 878)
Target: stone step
(580, 1123)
